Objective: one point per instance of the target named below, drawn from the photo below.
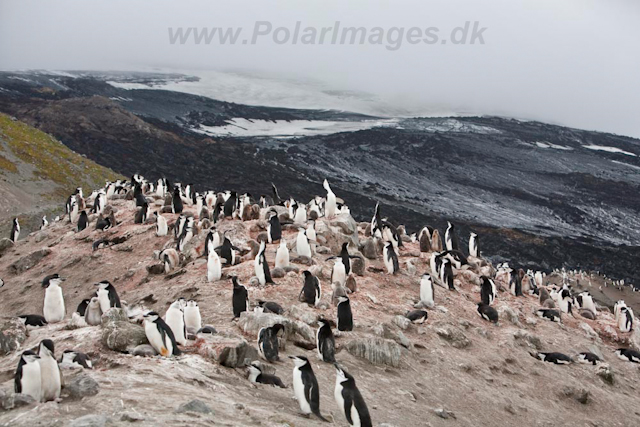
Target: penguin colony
(38, 372)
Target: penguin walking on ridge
(303, 248)
(311, 291)
(192, 317)
(338, 274)
(214, 267)
(473, 245)
(390, 258)
(174, 318)
(44, 223)
(625, 321)
(451, 238)
(628, 355)
(417, 316)
(488, 291)
(176, 203)
(345, 316)
(261, 266)
(75, 359)
(93, 313)
(274, 229)
(446, 274)
(162, 229)
(587, 358)
(305, 387)
(107, 296)
(487, 312)
(240, 299)
(160, 335)
(346, 258)
(186, 235)
(256, 376)
(28, 379)
(426, 291)
(555, 358)
(350, 400)
(330, 205)
(325, 342)
(268, 342)
(282, 255)
(54, 309)
(49, 371)
(15, 230)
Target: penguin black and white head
(15, 230)
(350, 400)
(107, 296)
(345, 316)
(305, 387)
(75, 359)
(311, 291)
(28, 379)
(240, 298)
(587, 358)
(325, 341)
(628, 355)
(160, 335)
(82, 307)
(256, 376)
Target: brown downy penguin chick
(350, 284)
(544, 294)
(436, 241)
(93, 313)
(338, 291)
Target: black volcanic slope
(534, 192)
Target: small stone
(579, 394)
(323, 250)
(604, 371)
(291, 268)
(132, 417)
(402, 322)
(453, 335)
(277, 273)
(444, 414)
(370, 250)
(80, 386)
(92, 420)
(358, 266)
(195, 405)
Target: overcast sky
(571, 62)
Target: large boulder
(119, 334)
(80, 386)
(29, 261)
(378, 351)
(370, 249)
(12, 334)
(230, 351)
(346, 223)
(453, 335)
(335, 235)
(5, 245)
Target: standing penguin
(162, 229)
(338, 274)
(15, 230)
(426, 291)
(28, 379)
(160, 335)
(350, 401)
(54, 309)
(446, 274)
(214, 267)
(625, 321)
(174, 318)
(344, 255)
(488, 291)
(107, 296)
(142, 214)
(451, 238)
(240, 299)
(274, 229)
(49, 371)
(212, 241)
(305, 387)
(230, 204)
(376, 223)
(261, 266)
(330, 205)
(44, 223)
(325, 342)
(227, 251)
(473, 245)
(176, 202)
(192, 317)
(515, 286)
(268, 343)
(390, 258)
(170, 259)
(345, 317)
(179, 226)
(93, 313)
(83, 221)
(302, 244)
(311, 291)
(282, 255)
(187, 234)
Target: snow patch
(544, 144)
(609, 149)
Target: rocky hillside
(456, 369)
(38, 172)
